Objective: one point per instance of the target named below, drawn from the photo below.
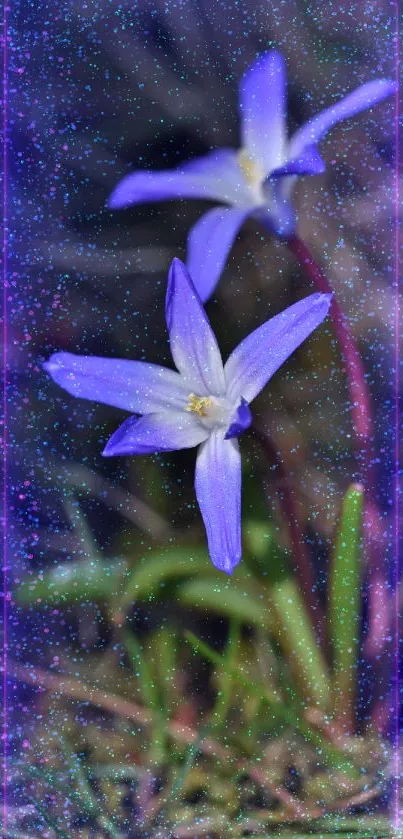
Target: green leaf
(49, 821)
(159, 568)
(340, 835)
(166, 667)
(81, 580)
(356, 827)
(289, 621)
(146, 684)
(344, 605)
(82, 531)
(218, 659)
(150, 694)
(279, 711)
(225, 678)
(263, 554)
(293, 632)
(83, 791)
(229, 598)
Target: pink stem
(363, 432)
(359, 395)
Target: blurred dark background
(99, 89)
(96, 90)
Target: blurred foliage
(226, 733)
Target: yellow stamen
(198, 404)
(249, 168)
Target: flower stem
(359, 394)
(361, 415)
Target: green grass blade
(282, 714)
(344, 606)
(226, 677)
(96, 580)
(16, 834)
(78, 521)
(49, 821)
(293, 632)
(83, 792)
(290, 623)
(161, 567)
(150, 696)
(230, 599)
(166, 666)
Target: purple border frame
(397, 815)
(4, 512)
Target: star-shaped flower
(256, 180)
(206, 403)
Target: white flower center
(253, 174)
(211, 411)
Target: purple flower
(206, 403)
(256, 180)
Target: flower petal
(279, 216)
(167, 431)
(218, 491)
(193, 343)
(282, 180)
(364, 97)
(215, 177)
(309, 162)
(209, 242)
(256, 359)
(263, 109)
(135, 386)
(241, 421)
(223, 164)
